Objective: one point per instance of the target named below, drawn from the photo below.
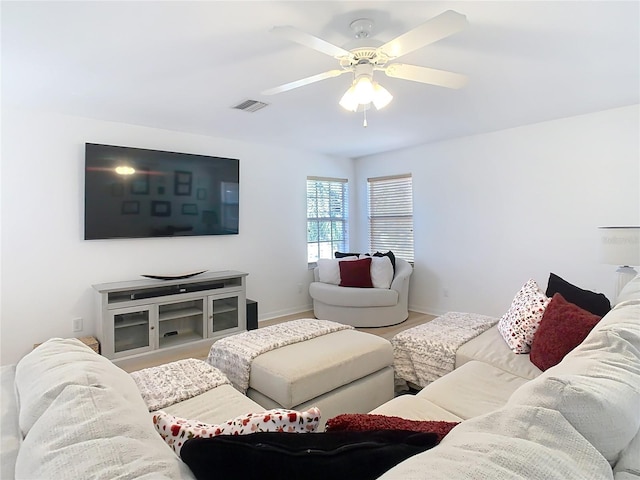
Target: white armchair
(363, 307)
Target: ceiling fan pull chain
(364, 111)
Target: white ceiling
(183, 65)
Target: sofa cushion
(302, 371)
(215, 406)
(628, 465)
(521, 321)
(329, 269)
(10, 436)
(562, 328)
(489, 347)
(391, 256)
(603, 410)
(631, 291)
(345, 254)
(177, 430)
(356, 273)
(473, 389)
(518, 442)
(413, 407)
(381, 272)
(46, 371)
(353, 297)
(593, 302)
(91, 430)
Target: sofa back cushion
(46, 371)
(512, 442)
(81, 415)
(603, 410)
(631, 291)
(88, 431)
(596, 386)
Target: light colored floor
(202, 353)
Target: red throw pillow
(563, 327)
(356, 273)
(370, 421)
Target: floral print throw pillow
(519, 324)
(175, 430)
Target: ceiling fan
(362, 62)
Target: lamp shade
(620, 245)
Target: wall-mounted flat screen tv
(140, 193)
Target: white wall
(493, 210)
(48, 269)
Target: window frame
(341, 220)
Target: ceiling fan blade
(304, 81)
(432, 76)
(437, 28)
(308, 40)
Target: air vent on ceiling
(250, 106)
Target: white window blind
(327, 217)
(391, 215)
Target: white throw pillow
(329, 270)
(381, 272)
(519, 325)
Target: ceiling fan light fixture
(381, 96)
(363, 89)
(348, 101)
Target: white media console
(142, 317)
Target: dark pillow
(342, 254)
(595, 303)
(313, 456)
(358, 422)
(563, 327)
(391, 256)
(356, 273)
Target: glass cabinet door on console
(133, 330)
(225, 313)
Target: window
(391, 215)
(327, 217)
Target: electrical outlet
(77, 324)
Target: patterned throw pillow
(519, 324)
(175, 430)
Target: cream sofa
(67, 411)
(363, 307)
(578, 419)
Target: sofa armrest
(401, 278)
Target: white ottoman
(341, 372)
